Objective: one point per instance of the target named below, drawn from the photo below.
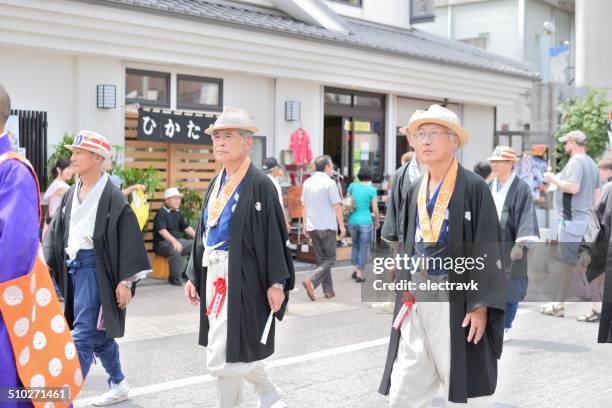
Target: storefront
(354, 131)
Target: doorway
(354, 132)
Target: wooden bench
(161, 268)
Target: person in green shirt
(360, 220)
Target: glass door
(365, 145)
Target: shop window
(147, 87)
(368, 101)
(199, 93)
(258, 151)
(338, 98)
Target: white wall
(440, 26)
(309, 94)
(393, 12)
(499, 18)
(43, 82)
(65, 87)
(593, 45)
(479, 121)
(90, 72)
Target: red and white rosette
(408, 300)
(218, 298)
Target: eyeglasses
(433, 135)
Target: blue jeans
(511, 309)
(90, 341)
(362, 237)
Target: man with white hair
(577, 194)
(448, 338)
(95, 244)
(240, 267)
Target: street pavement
(331, 353)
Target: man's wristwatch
(278, 286)
(127, 284)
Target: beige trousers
(422, 364)
(231, 376)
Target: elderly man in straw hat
(454, 338)
(95, 242)
(519, 224)
(240, 270)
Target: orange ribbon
(430, 228)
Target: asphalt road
(331, 353)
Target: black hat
(270, 163)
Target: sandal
(591, 317)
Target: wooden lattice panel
(178, 165)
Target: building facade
(357, 72)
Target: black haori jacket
(601, 262)
(119, 247)
(259, 256)
(473, 231)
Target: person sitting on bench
(169, 227)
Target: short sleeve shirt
(582, 170)
(319, 194)
(362, 195)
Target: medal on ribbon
(408, 300)
(218, 298)
(218, 200)
(430, 227)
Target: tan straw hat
(437, 115)
(232, 118)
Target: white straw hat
(438, 115)
(232, 118)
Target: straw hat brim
(492, 158)
(462, 134)
(105, 155)
(211, 129)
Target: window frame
(198, 106)
(147, 102)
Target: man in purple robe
(18, 235)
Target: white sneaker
(271, 400)
(118, 392)
(507, 335)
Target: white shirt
(319, 194)
(83, 217)
(278, 190)
(500, 196)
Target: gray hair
(322, 162)
(5, 107)
(245, 133)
